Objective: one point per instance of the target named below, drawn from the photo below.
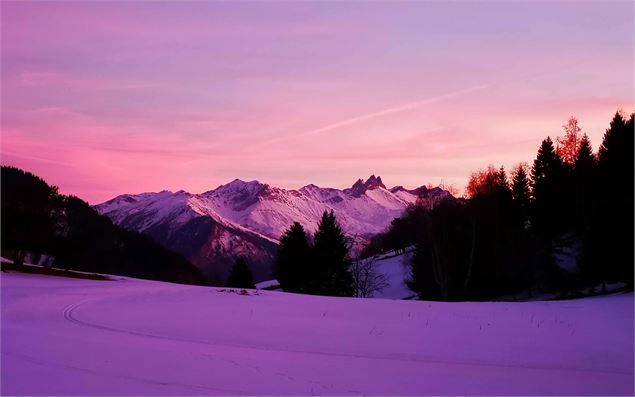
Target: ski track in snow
(68, 315)
(99, 319)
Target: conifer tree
(240, 276)
(567, 150)
(608, 247)
(331, 262)
(615, 160)
(546, 176)
(502, 178)
(583, 182)
(612, 148)
(520, 191)
(292, 265)
(585, 160)
(28, 212)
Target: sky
(106, 98)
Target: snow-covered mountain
(247, 218)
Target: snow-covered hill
(132, 337)
(396, 270)
(246, 218)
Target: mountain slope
(246, 218)
(363, 210)
(180, 222)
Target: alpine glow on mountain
(246, 218)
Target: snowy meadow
(124, 337)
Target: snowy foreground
(69, 336)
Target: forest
(66, 232)
(505, 234)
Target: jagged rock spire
(361, 186)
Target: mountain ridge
(246, 218)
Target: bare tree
(366, 278)
(450, 188)
(569, 144)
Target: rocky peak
(360, 187)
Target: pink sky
(122, 97)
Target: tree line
(319, 265)
(506, 235)
(38, 221)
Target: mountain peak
(374, 182)
(237, 185)
(361, 186)
(240, 183)
(238, 193)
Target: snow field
(77, 337)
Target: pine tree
(615, 159)
(240, 276)
(331, 262)
(502, 178)
(613, 138)
(546, 176)
(292, 265)
(583, 181)
(585, 160)
(608, 250)
(520, 192)
(615, 169)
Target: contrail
(394, 110)
(428, 101)
(380, 113)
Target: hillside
(82, 337)
(396, 270)
(45, 227)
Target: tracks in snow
(69, 315)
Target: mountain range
(247, 218)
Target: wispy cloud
(397, 109)
(52, 79)
(7, 153)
